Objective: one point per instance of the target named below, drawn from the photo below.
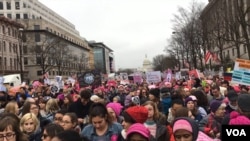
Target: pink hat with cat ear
(139, 129)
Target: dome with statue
(147, 65)
(146, 62)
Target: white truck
(12, 80)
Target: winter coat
(79, 109)
(111, 135)
(36, 136)
(237, 119)
(161, 133)
(210, 122)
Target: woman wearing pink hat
(138, 132)
(114, 110)
(187, 129)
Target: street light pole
(21, 52)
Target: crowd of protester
(166, 111)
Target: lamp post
(21, 52)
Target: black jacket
(81, 110)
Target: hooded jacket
(197, 135)
(237, 119)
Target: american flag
(208, 56)
(216, 58)
(46, 75)
(186, 64)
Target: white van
(12, 80)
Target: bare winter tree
(61, 57)
(189, 35)
(242, 15)
(163, 62)
(229, 29)
(218, 32)
(44, 51)
(173, 49)
(83, 63)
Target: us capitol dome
(147, 65)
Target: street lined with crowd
(164, 111)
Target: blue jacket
(113, 132)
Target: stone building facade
(226, 29)
(10, 44)
(44, 29)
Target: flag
(215, 58)
(208, 56)
(46, 78)
(46, 75)
(186, 64)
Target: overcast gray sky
(132, 28)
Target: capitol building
(147, 65)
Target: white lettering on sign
(236, 132)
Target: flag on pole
(208, 56)
(46, 75)
(46, 78)
(186, 64)
(215, 58)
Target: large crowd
(164, 111)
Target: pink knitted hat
(182, 124)
(140, 129)
(117, 107)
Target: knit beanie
(215, 105)
(155, 92)
(188, 99)
(188, 124)
(138, 113)
(140, 129)
(182, 124)
(244, 102)
(117, 107)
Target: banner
(241, 73)
(169, 76)
(124, 78)
(178, 75)
(194, 74)
(59, 82)
(46, 78)
(137, 78)
(90, 78)
(153, 77)
(215, 58)
(184, 74)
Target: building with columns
(146, 65)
